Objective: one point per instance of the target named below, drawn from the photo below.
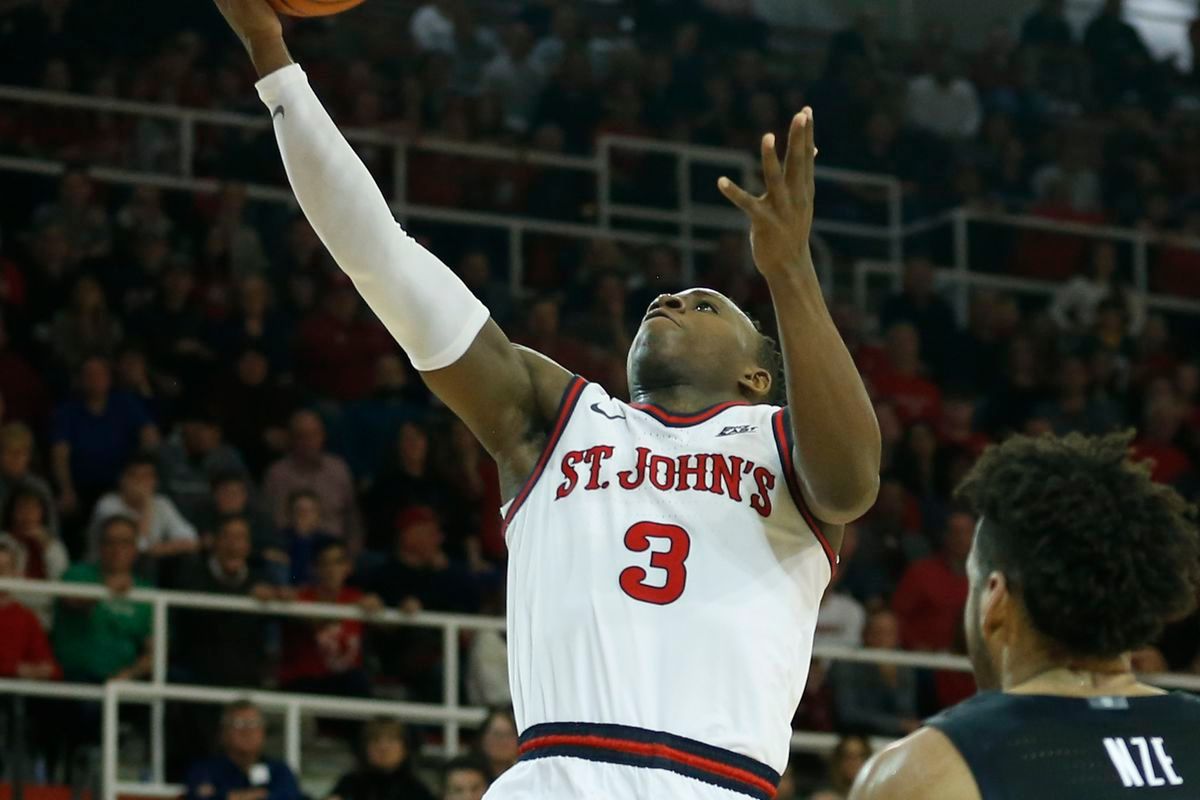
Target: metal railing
(449, 714)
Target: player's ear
(997, 606)
(756, 383)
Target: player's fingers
(737, 195)
(792, 160)
(810, 147)
(772, 170)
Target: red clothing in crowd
(22, 640)
(929, 603)
(324, 648)
(336, 358)
(1169, 461)
(915, 398)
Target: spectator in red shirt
(326, 656)
(24, 649)
(337, 346)
(1161, 424)
(931, 595)
(903, 383)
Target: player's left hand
(781, 218)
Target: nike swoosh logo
(278, 112)
(596, 407)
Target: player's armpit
(507, 395)
(921, 766)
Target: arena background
(1008, 219)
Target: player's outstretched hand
(781, 218)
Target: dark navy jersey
(1069, 748)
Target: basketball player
(667, 556)
(1078, 559)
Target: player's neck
(682, 398)
(1081, 677)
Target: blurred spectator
(497, 747)
(26, 398)
(370, 425)
(418, 575)
(1073, 177)
(84, 328)
(94, 435)
(308, 466)
(570, 102)
(255, 407)
(407, 478)
(515, 77)
(1077, 302)
(231, 497)
(876, 698)
(337, 346)
(1156, 442)
(256, 324)
(233, 246)
(919, 305)
(192, 457)
(162, 531)
(24, 649)
(16, 457)
(241, 771)
(1046, 26)
(1017, 393)
(930, 597)
(386, 770)
(841, 618)
(1076, 408)
(207, 638)
(304, 537)
(847, 758)
(25, 515)
(942, 102)
(1120, 59)
(464, 779)
(79, 214)
(432, 26)
(325, 656)
(902, 381)
(109, 639)
(487, 681)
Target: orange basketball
(312, 8)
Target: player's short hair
(770, 358)
(1100, 555)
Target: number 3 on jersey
(633, 579)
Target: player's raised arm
(501, 392)
(837, 448)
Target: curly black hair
(1100, 555)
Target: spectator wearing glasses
(241, 771)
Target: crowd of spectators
(195, 398)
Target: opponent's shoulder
(922, 766)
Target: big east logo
(699, 472)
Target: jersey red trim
(684, 420)
(639, 747)
(565, 406)
(783, 443)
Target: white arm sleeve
(429, 311)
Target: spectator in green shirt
(99, 640)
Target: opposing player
(666, 557)
(1078, 558)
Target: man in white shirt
(943, 103)
(162, 530)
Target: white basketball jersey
(664, 574)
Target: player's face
(697, 337)
(986, 675)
